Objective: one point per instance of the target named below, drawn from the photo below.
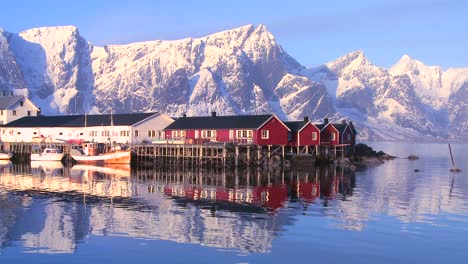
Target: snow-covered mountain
(238, 71)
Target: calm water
(386, 214)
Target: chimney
(213, 114)
(325, 120)
(184, 115)
(306, 119)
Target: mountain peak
(352, 60)
(405, 64)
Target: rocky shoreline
(363, 157)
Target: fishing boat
(48, 154)
(5, 156)
(90, 154)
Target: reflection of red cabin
(303, 133)
(255, 129)
(329, 135)
(309, 191)
(272, 197)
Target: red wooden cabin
(329, 135)
(303, 133)
(252, 129)
(347, 133)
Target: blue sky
(313, 32)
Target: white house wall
(154, 124)
(99, 134)
(21, 111)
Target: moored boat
(5, 156)
(90, 154)
(48, 154)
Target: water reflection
(49, 208)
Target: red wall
(293, 141)
(223, 135)
(325, 135)
(278, 134)
(344, 137)
(305, 136)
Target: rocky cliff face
(238, 71)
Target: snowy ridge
(238, 71)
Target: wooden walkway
(216, 154)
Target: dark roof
(7, 101)
(79, 120)
(320, 126)
(340, 127)
(295, 126)
(219, 122)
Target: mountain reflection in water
(399, 212)
(49, 208)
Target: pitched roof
(323, 125)
(219, 122)
(8, 101)
(340, 127)
(79, 120)
(295, 126)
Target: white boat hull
(47, 157)
(117, 157)
(5, 156)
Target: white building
(14, 107)
(118, 128)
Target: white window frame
(314, 135)
(333, 136)
(265, 134)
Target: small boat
(49, 154)
(90, 154)
(5, 156)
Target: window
(29, 113)
(244, 133)
(176, 134)
(332, 137)
(21, 103)
(1, 112)
(136, 133)
(124, 133)
(349, 137)
(81, 133)
(152, 133)
(61, 133)
(105, 133)
(208, 133)
(19, 133)
(289, 136)
(93, 133)
(35, 133)
(314, 135)
(14, 112)
(231, 133)
(265, 134)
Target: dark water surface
(385, 214)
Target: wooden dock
(212, 154)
